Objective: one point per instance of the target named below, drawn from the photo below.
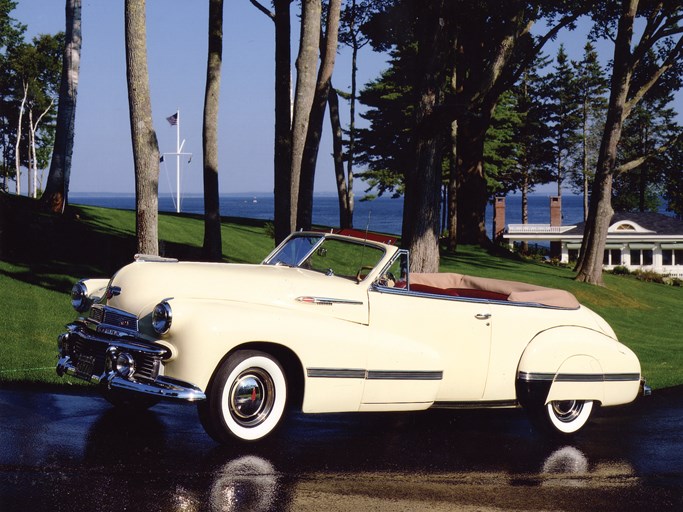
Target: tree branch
(636, 162)
(263, 9)
(668, 63)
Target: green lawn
(42, 255)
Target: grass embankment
(42, 255)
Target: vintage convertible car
(333, 323)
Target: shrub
(621, 271)
(649, 276)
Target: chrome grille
(113, 317)
(146, 365)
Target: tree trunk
(315, 124)
(589, 266)
(56, 193)
(17, 154)
(584, 149)
(283, 121)
(350, 198)
(423, 179)
(472, 189)
(306, 65)
(212, 212)
(345, 215)
(145, 145)
(452, 222)
(33, 165)
(525, 208)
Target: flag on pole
(173, 120)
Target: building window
(672, 256)
(612, 257)
(573, 255)
(641, 257)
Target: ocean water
(383, 214)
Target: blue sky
(176, 44)
(176, 32)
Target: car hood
(138, 287)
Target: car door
(426, 344)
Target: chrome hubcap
(252, 395)
(567, 410)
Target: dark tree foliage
(384, 147)
(673, 181)
(651, 125)
(490, 44)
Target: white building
(646, 241)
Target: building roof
(624, 226)
(638, 224)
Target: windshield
(295, 250)
(330, 256)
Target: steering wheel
(387, 279)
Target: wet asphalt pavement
(74, 452)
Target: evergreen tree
(384, 147)
(563, 114)
(673, 179)
(502, 147)
(592, 87)
(651, 125)
(535, 151)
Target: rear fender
(576, 363)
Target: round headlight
(125, 365)
(79, 297)
(161, 318)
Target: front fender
(577, 363)
(204, 331)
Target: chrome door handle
(483, 316)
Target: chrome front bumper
(89, 356)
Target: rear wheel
(566, 416)
(246, 399)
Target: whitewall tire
(568, 416)
(246, 399)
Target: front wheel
(566, 416)
(246, 399)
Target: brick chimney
(499, 219)
(556, 220)
(555, 211)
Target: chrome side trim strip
(328, 301)
(335, 373)
(404, 375)
(578, 377)
(622, 377)
(403, 291)
(356, 373)
(487, 404)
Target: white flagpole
(177, 172)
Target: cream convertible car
(332, 323)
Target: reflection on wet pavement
(75, 453)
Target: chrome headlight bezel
(125, 365)
(79, 297)
(162, 317)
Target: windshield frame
(320, 239)
(279, 248)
